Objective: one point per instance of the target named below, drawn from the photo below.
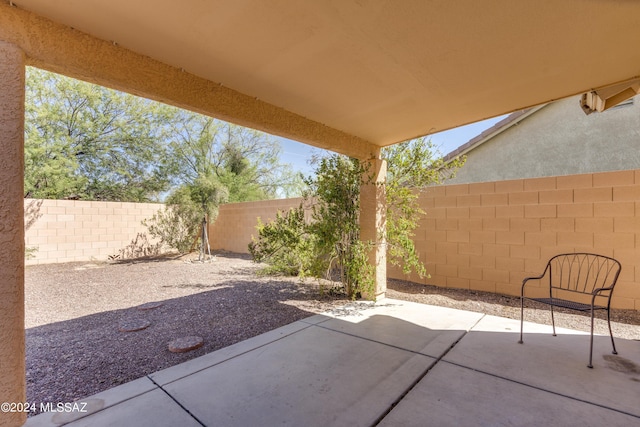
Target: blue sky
(298, 154)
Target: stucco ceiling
(383, 71)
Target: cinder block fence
(489, 236)
(78, 230)
(482, 236)
(236, 222)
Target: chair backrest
(583, 272)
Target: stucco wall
(557, 140)
(73, 230)
(12, 338)
(489, 236)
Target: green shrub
(175, 226)
(329, 244)
(284, 244)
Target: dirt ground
(74, 313)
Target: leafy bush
(329, 243)
(285, 244)
(175, 226)
(178, 224)
(30, 252)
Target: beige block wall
(236, 222)
(78, 230)
(489, 236)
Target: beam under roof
(340, 74)
(64, 50)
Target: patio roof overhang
(343, 75)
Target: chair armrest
(526, 279)
(596, 293)
(598, 290)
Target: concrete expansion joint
(319, 325)
(420, 377)
(176, 402)
(538, 388)
(475, 324)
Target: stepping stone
(132, 325)
(182, 345)
(150, 305)
(87, 266)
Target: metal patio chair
(577, 281)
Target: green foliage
(31, 215)
(245, 161)
(217, 162)
(412, 167)
(175, 226)
(178, 224)
(330, 243)
(285, 244)
(90, 142)
(336, 190)
(358, 273)
(327, 244)
(417, 164)
(30, 252)
(204, 196)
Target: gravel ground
(74, 311)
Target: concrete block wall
(236, 222)
(78, 230)
(489, 236)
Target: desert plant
(175, 226)
(332, 237)
(285, 244)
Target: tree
(87, 141)
(335, 189)
(216, 162)
(246, 161)
(413, 167)
(179, 222)
(333, 230)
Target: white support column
(373, 218)
(12, 346)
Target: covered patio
(389, 364)
(340, 75)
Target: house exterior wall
(489, 236)
(77, 230)
(559, 139)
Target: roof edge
(504, 124)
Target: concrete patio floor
(393, 364)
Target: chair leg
(590, 365)
(553, 322)
(613, 344)
(521, 318)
